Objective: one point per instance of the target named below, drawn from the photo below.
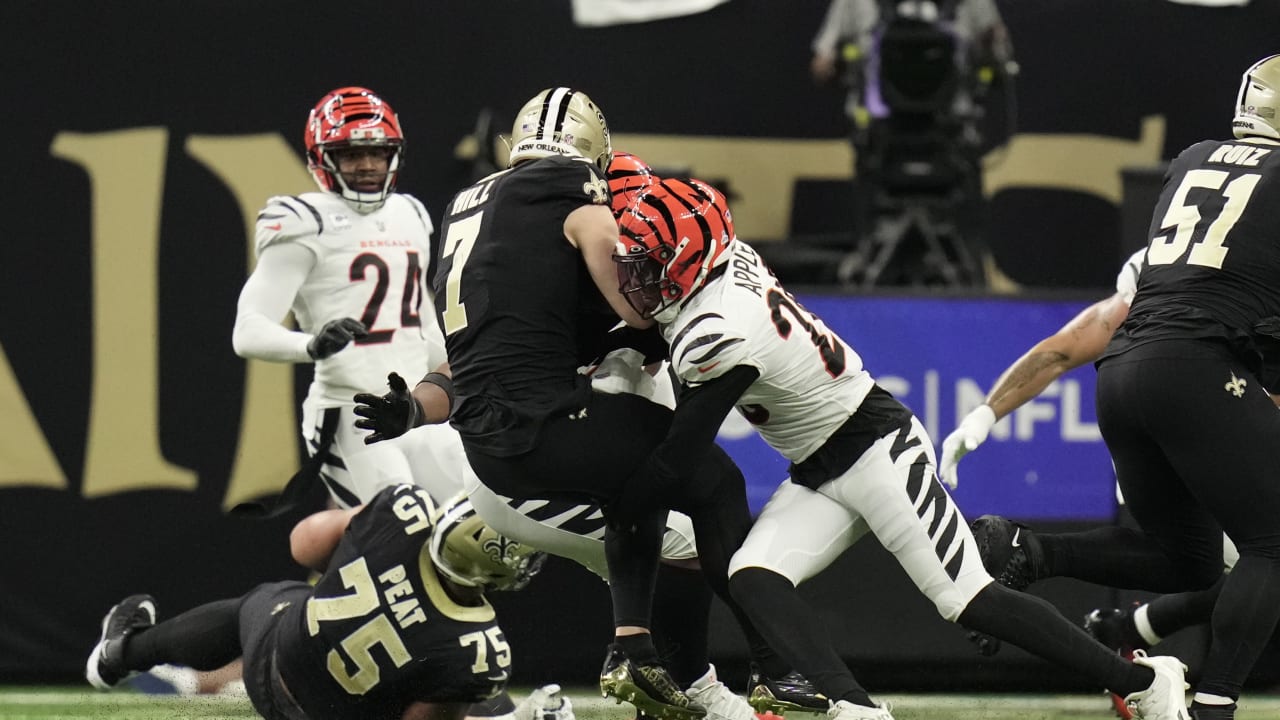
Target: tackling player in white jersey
(861, 462)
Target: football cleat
(1106, 625)
(791, 692)
(648, 687)
(1010, 551)
(1011, 554)
(105, 668)
(845, 710)
(721, 702)
(1166, 697)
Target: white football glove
(545, 703)
(971, 433)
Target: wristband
(442, 381)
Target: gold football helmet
(1258, 100)
(561, 121)
(469, 552)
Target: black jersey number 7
(1184, 218)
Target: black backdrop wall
(142, 136)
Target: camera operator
(917, 73)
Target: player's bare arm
(592, 229)
(1080, 341)
(316, 536)
(434, 394)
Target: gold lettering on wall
(25, 456)
(256, 167)
(1083, 163)
(126, 173)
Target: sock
(639, 648)
(1142, 625)
(1034, 625)
(1111, 556)
(633, 568)
(717, 503)
(205, 638)
(1169, 613)
(791, 628)
(1207, 699)
(1244, 618)
(681, 622)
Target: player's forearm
(257, 337)
(435, 395)
(1027, 378)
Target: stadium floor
(69, 703)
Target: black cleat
(648, 687)
(791, 692)
(1011, 554)
(105, 667)
(1010, 551)
(1108, 626)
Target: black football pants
(1193, 436)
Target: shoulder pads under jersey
(420, 210)
(706, 347)
(285, 218)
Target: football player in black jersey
(525, 287)
(396, 627)
(1185, 410)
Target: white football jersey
(1127, 280)
(369, 267)
(810, 380)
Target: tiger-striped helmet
(352, 117)
(628, 175)
(1258, 101)
(560, 121)
(671, 238)
(470, 553)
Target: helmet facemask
(642, 277)
(353, 118)
(470, 553)
(670, 240)
(1258, 101)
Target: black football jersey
(380, 631)
(511, 293)
(1213, 254)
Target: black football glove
(390, 415)
(334, 336)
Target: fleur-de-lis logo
(500, 549)
(598, 189)
(1236, 386)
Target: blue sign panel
(940, 357)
